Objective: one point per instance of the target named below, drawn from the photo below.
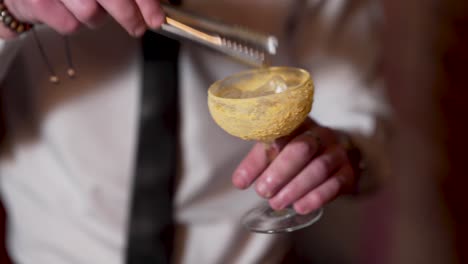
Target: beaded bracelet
(11, 22)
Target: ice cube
(279, 84)
(275, 84)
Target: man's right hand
(67, 16)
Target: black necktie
(150, 236)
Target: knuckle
(303, 149)
(268, 186)
(130, 17)
(272, 180)
(322, 166)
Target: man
(75, 147)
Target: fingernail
(304, 209)
(300, 209)
(283, 199)
(262, 190)
(277, 205)
(139, 31)
(240, 179)
(157, 20)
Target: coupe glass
(262, 105)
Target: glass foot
(263, 219)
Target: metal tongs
(245, 45)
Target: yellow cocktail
(263, 105)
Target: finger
(127, 14)
(88, 12)
(290, 161)
(50, 12)
(251, 167)
(152, 12)
(324, 193)
(314, 174)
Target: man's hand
(310, 169)
(66, 16)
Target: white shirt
(66, 178)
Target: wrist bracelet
(11, 22)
